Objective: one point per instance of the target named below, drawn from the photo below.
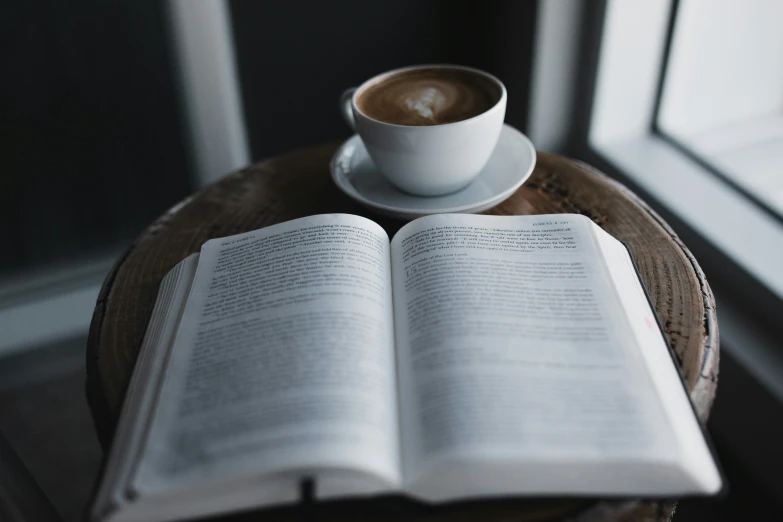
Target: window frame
(52, 304)
(622, 130)
(683, 145)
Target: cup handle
(346, 109)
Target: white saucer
(509, 166)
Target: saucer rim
(478, 206)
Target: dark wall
(295, 58)
(91, 145)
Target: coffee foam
(428, 100)
(428, 97)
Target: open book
(470, 356)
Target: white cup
(428, 160)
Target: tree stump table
(298, 184)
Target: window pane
(722, 95)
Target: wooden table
(298, 184)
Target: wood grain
(298, 184)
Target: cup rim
(381, 76)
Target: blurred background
(111, 112)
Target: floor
(44, 415)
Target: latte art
(429, 101)
(428, 97)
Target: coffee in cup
(429, 129)
(428, 96)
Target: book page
(283, 363)
(144, 385)
(517, 365)
(695, 455)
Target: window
(722, 92)
(621, 131)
